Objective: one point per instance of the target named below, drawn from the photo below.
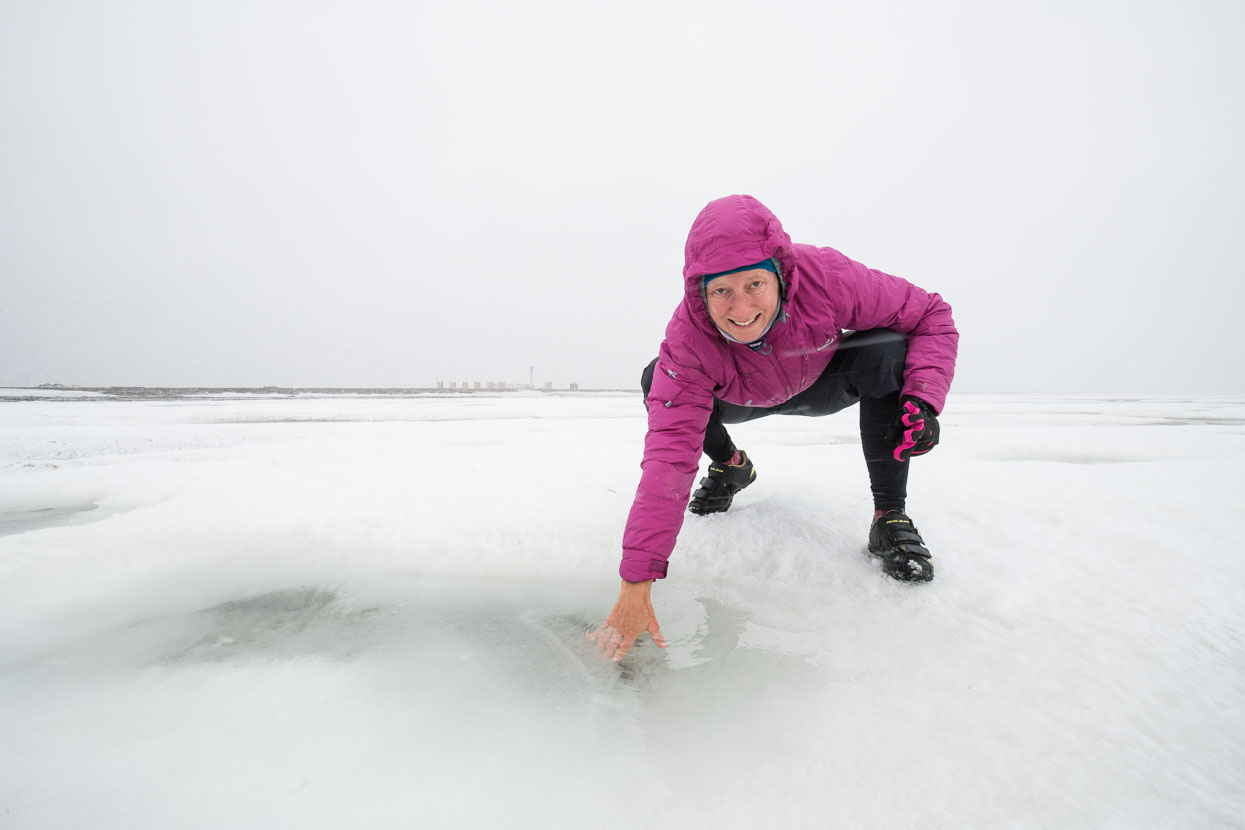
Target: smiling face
(742, 304)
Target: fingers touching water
(631, 616)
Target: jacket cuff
(935, 400)
(639, 566)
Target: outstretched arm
(679, 403)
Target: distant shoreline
(137, 393)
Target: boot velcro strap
(898, 537)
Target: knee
(646, 377)
(894, 350)
(887, 343)
(883, 346)
(885, 354)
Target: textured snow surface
(352, 612)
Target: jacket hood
(732, 232)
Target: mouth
(745, 324)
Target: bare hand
(632, 615)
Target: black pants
(867, 369)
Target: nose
(740, 306)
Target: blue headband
(765, 264)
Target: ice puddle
(452, 680)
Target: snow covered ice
(313, 612)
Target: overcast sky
(390, 193)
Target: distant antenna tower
(531, 377)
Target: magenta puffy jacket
(826, 293)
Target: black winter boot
(894, 539)
(719, 487)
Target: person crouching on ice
(767, 327)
